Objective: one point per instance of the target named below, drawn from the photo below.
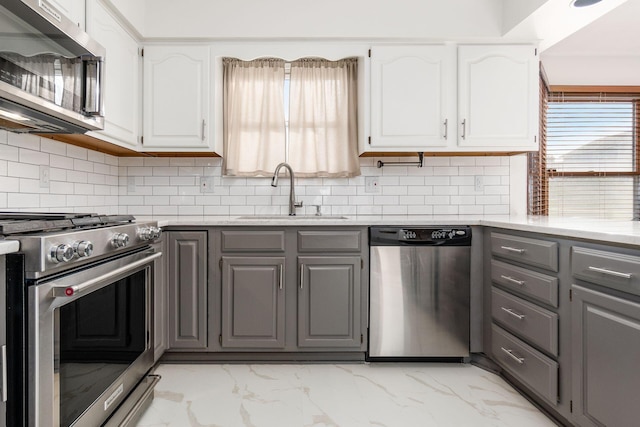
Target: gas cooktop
(13, 223)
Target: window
(588, 160)
(303, 112)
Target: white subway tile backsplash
(82, 180)
(23, 170)
(33, 157)
(77, 152)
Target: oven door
(90, 340)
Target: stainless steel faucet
(292, 193)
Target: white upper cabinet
(72, 9)
(412, 98)
(122, 96)
(177, 98)
(423, 98)
(498, 98)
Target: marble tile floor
(343, 395)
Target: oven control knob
(61, 253)
(150, 233)
(83, 248)
(120, 240)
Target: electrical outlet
(45, 176)
(131, 184)
(371, 184)
(478, 183)
(206, 184)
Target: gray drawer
(530, 322)
(252, 241)
(332, 241)
(527, 364)
(618, 271)
(526, 282)
(539, 253)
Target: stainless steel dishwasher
(419, 296)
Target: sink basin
(292, 217)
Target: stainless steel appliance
(80, 337)
(51, 72)
(419, 296)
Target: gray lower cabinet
(606, 355)
(187, 303)
(253, 302)
(329, 301)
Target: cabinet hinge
(141, 139)
(220, 263)
(369, 140)
(535, 51)
(571, 406)
(361, 338)
(570, 294)
(535, 138)
(220, 339)
(142, 52)
(369, 53)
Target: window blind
(588, 161)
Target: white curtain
(323, 127)
(254, 124)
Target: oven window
(101, 334)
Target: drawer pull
(520, 360)
(513, 313)
(512, 280)
(511, 249)
(610, 272)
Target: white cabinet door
(122, 77)
(412, 98)
(176, 98)
(497, 98)
(72, 9)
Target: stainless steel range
(79, 318)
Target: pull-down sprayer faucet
(292, 193)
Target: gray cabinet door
(329, 301)
(187, 256)
(253, 302)
(605, 359)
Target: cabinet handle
(446, 128)
(510, 249)
(203, 125)
(512, 280)
(520, 360)
(301, 275)
(464, 128)
(4, 373)
(513, 313)
(281, 275)
(610, 272)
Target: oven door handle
(70, 291)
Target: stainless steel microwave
(51, 71)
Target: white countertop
(621, 232)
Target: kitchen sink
(292, 217)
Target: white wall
(433, 19)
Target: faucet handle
(318, 210)
(297, 204)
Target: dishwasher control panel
(449, 236)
